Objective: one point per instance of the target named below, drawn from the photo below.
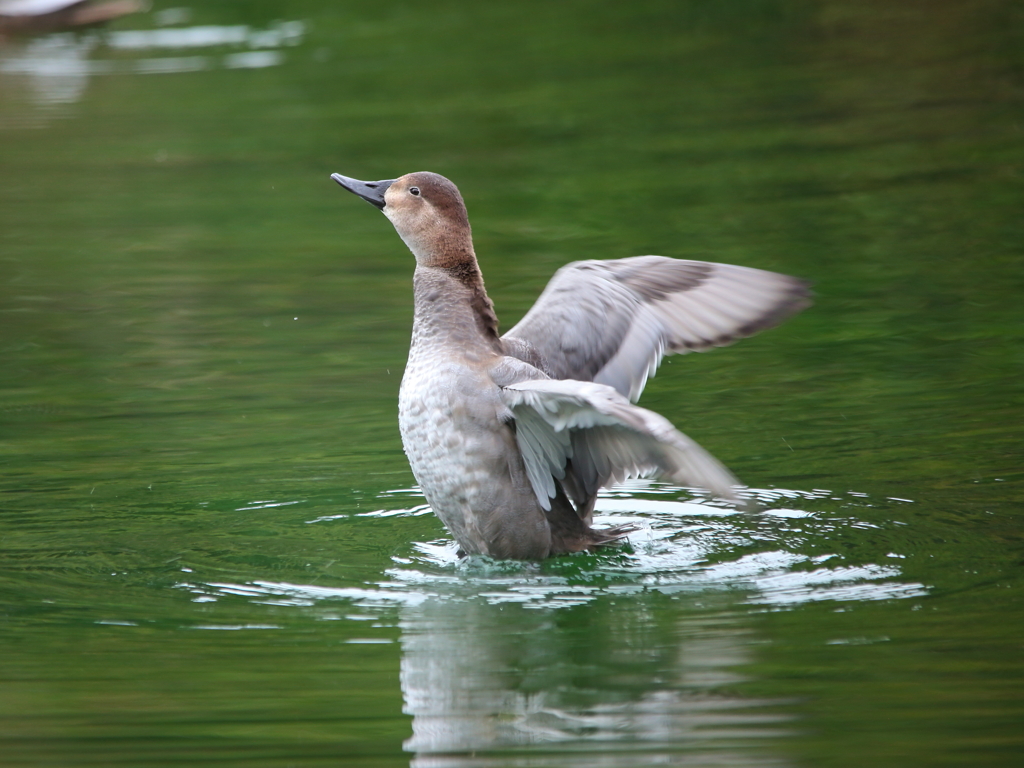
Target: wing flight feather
(613, 321)
(593, 432)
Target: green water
(212, 551)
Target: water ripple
(680, 546)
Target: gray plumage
(616, 319)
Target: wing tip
(796, 297)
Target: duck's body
(37, 16)
(449, 406)
(510, 437)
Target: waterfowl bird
(510, 437)
(37, 16)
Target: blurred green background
(202, 338)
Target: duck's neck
(452, 307)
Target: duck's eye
(414, 191)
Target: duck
(39, 16)
(510, 436)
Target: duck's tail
(604, 537)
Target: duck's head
(427, 211)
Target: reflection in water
(604, 685)
(629, 658)
(57, 67)
(279, 34)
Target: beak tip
(370, 191)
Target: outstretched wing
(612, 321)
(587, 435)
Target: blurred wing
(612, 321)
(589, 436)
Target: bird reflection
(633, 681)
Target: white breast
(450, 455)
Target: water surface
(211, 548)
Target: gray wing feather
(613, 321)
(603, 439)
